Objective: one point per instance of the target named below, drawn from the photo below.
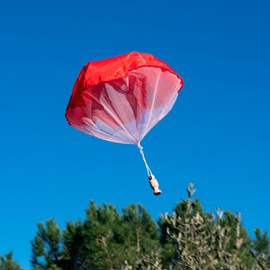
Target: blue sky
(217, 134)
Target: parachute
(121, 99)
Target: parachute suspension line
(152, 180)
(144, 160)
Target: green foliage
(209, 241)
(261, 243)
(73, 243)
(7, 263)
(261, 249)
(46, 247)
(100, 229)
(202, 243)
(105, 240)
(140, 232)
(189, 238)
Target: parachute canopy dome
(120, 99)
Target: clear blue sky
(217, 135)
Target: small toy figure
(154, 184)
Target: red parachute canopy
(121, 98)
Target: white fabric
(124, 119)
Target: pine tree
(205, 241)
(7, 263)
(46, 247)
(261, 243)
(101, 248)
(261, 249)
(189, 238)
(74, 253)
(140, 234)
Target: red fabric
(117, 90)
(113, 68)
(119, 67)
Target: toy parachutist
(154, 184)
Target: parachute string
(144, 160)
(153, 102)
(112, 113)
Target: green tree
(189, 238)
(140, 234)
(101, 247)
(185, 212)
(261, 249)
(199, 240)
(261, 243)
(105, 240)
(46, 247)
(7, 263)
(74, 253)
(115, 241)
